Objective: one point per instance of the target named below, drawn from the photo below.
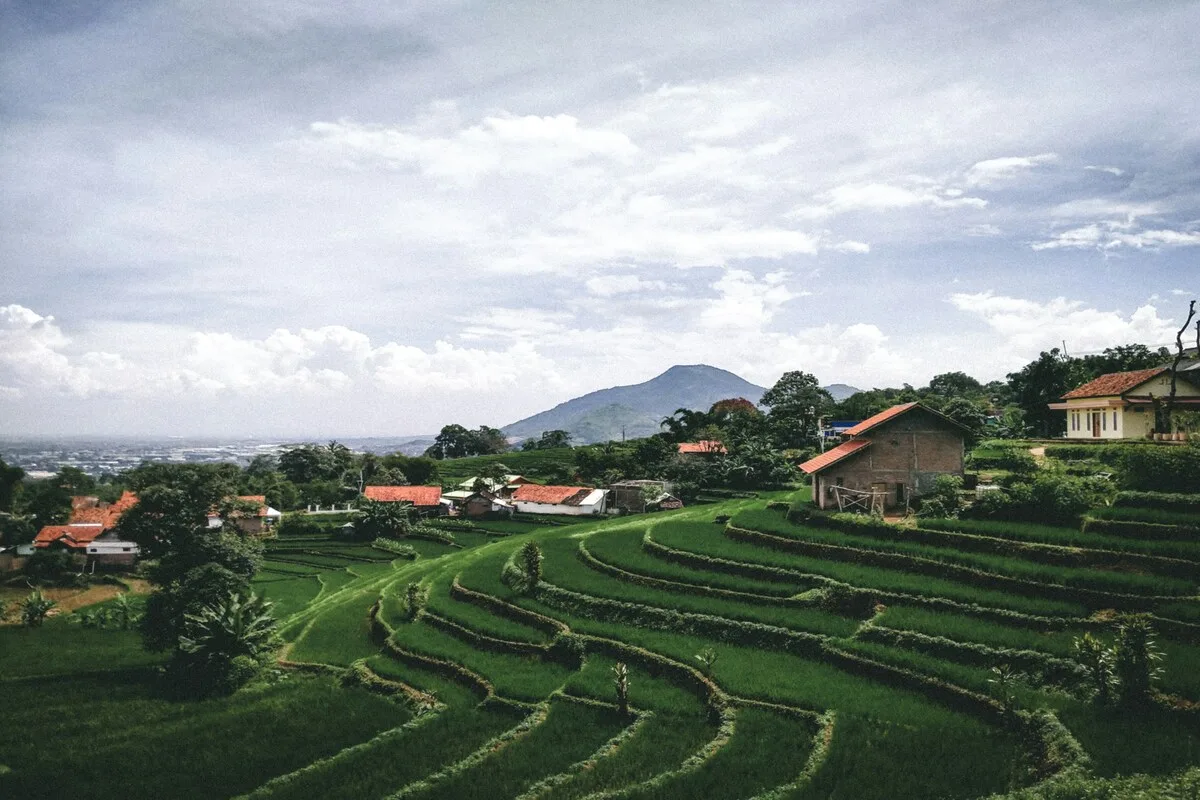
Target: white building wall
(592, 504)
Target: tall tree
(10, 482)
(1040, 383)
(797, 402)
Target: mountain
(600, 416)
(841, 391)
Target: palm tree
(382, 518)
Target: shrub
(50, 566)
(847, 601)
(224, 645)
(568, 649)
(415, 598)
(1097, 660)
(392, 546)
(1166, 501)
(299, 524)
(531, 565)
(1135, 660)
(621, 684)
(944, 501)
(1047, 498)
(1161, 469)
(35, 608)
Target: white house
(1121, 405)
(575, 501)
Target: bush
(299, 524)
(944, 501)
(1048, 498)
(1161, 468)
(568, 649)
(1161, 501)
(50, 566)
(35, 608)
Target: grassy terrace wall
(764, 659)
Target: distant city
(42, 457)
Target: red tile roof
(128, 500)
(703, 446)
(880, 418)
(70, 535)
(830, 457)
(89, 516)
(552, 495)
(417, 495)
(260, 500)
(1114, 383)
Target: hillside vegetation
(762, 658)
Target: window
(899, 492)
(841, 481)
(1114, 420)
(1103, 420)
(126, 549)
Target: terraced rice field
(745, 681)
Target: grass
(62, 648)
(970, 629)
(113, 737)
(1099, 580)
(517, 677)
(1066, 537)
(708, 540)
(571, 733)
(563, 568)
(288, 596)
(624, 549)
(1157, 516)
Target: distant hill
(599, 416)
(841, 391)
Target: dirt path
(1039, 453)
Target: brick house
(896, 454)
(89, 532)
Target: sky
(310, 218)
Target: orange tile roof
(880, 418)
(259, 499)
(127, 501)
(703, 446)
(1114, 383)
(89, 516)
(70, 535)
(417, 495)
(830, 457)
(51, 533)
(553, 495)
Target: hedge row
(482, 641)
(751, 634)
(489, 748)
(1110, 454)
(1051, 670)
(501, 608)
(475, 683)
(421, 702)
(1056, 751)
(1135, 530)
(677, 586)
(816, 759)
(763, 571)
(395, 548)
(1166, 501)
(1090, 598)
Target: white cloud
(1110, 170)
(610, 285)
(886, 197)
(1111, 236)
(746, 301)
(1027, 326)
(999, 170)
(525, 144)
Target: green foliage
(224, 645)
(1011, 458)
(50, 565)
(531, 565)
(967, 414)
(299, 524)
(1003, 683)
(621, 685)
(1136, 659)
(1048, 497)
(1161, 469)
(708, 660)
(419, 470)
(455, 441)
(415, 598)
(569, 650)
(796, 402)
(549, 440)
(396, 548)
(44, 501)
(1166, 501)
(10, 484)
(379, 518)
(1097, 660)
(944, 501)
(34, 609)
(1077, 786)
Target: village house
(568, 500)
(425, 500)
(1122, 405)
(88, 532)
(888, 459)
(253, 523)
